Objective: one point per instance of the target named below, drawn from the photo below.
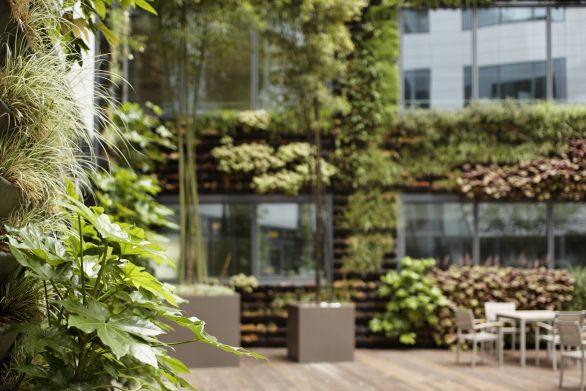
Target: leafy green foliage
(41, 130)
(578, 301)
(130, 198)
(287, 169)
(441, 144)
(559, 177)
(414, 299)
(140, 135)
(244, 283)
(371, 217)
(472, 286)
(103, 313)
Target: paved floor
(401, 370)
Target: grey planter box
(222, 317)
(320, 332)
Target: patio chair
(491, 309)
(571, 337)
(469, 330)
(551, 336)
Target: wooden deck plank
(388, 370)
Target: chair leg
(537, 346)
(562, 372)
(481, 351)
(474, 353)
(582, 375)
(514, 341)
(554, 356)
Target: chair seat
(481, 337)
(550, 338)
(573, 354)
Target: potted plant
(190, 31)
(319, 331)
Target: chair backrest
(464, 319)
(570, 333)
(570, 316)
(491, 309)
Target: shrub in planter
(472, 286)
(102, 312)
(414, 301)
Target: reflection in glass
(570, 234)
(224, 77)
(226, 230)
(513, 234)
(415, 21)
(522, 81)
(442, 231)
(285, 239)
(417, 88)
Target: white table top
(530, 315)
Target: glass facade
(522, 81)
(505, 56)
(232, 76)
(512, 234)
(520, 234)
(443, 231)
(271, 240)
(570, 234)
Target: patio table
(524, 317)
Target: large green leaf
(140, 278)
(197, 326)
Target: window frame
(406, 197)
(255, 199)
(549, 20)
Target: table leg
(523, 342)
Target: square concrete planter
(321, 332)
(222, 317)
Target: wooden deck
(401, 370)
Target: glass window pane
(226, 230)
(559, 79)
(570, 234)
(224, 78)
(512, 56)
(417, 88)
(415, 21)
(439, 230)
(489, 86)
(513, 234)
(488, 17)
(285, 235)
(466, 19)
(517, 14)
(444, 51)
(568, 48)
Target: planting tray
(321, 332)
(222, 317)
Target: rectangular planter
(321, 332)
(222, 317)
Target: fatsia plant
(414, 298)
(129, 197)
(103, 314)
